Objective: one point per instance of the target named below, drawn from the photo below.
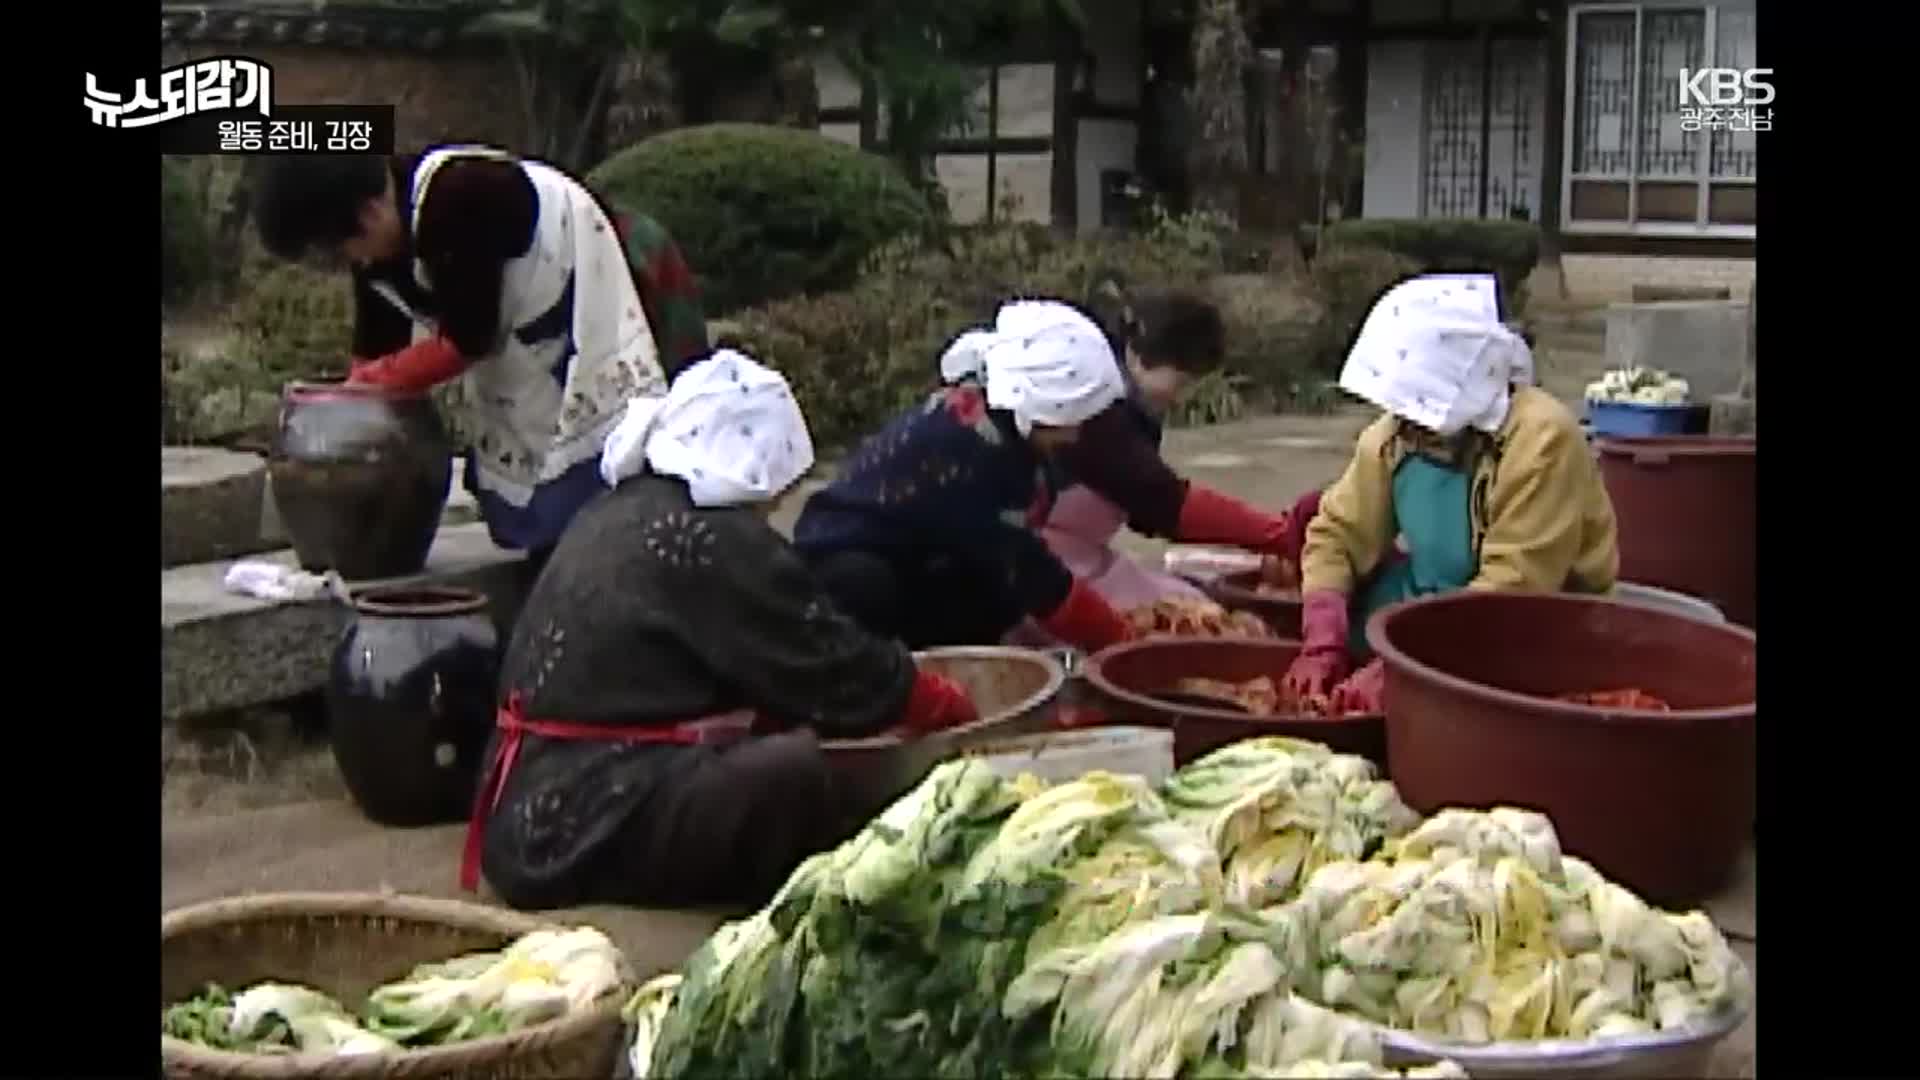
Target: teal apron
(1430, 503)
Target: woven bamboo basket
(347, 944)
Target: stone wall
(442, 96)
(1611, 278)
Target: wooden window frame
(1706, 182)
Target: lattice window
(1463, 141)
(1630, 162)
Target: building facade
(1056, 122)
(1564, 114)
(1632, 166)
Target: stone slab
(1660, 293)
(1733, 415)
(1701, 341)
(210, 503)
(220, 651)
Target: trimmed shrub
(288, 323)
(763, 213)
(853, 358)
(1346, 280)
(857, 356)
(1275, 326)
(215, 396)
(297, 323)
(1510, 249)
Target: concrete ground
(269, 814)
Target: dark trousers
(530, 567)
(924, 601)
(727, 827)
(524, 576)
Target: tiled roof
(399, 24)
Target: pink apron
(1080, 530)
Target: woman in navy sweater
(929, 533)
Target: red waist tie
(514, 725)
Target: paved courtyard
(221, 837)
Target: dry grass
(259, 761)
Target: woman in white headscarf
(1485, 481)
(673, 668)
(928, 532)
(1114, 477)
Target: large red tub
(1125, 678)
(1662, 802)
(1687, 515)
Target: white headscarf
(728, 426)
(1435, 352)
(1043, 362)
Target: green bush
(287, 323)
(853, 358)
(1275, 326)
(764, 212)
(297, 323)
(1347, 280)
(215, 396)
(857, 356)
(1510, 249)
(186, 241)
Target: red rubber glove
(1365, 692)
(1298, 518)
(419, 366)
(1323, 659)
(1209, 517)
(936, 704)
(1086, 621)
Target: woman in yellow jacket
(1485, 481)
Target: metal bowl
(1683, 1051)
(1014, 690)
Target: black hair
(313, 200)
(1176, 329)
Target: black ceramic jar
(410, 702)
(360, 476)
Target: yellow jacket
(1541, 518)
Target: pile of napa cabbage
(539, 977)
(1260, 914)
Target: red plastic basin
(1662, 802)
(1123, 678)
(1239, 592)
(1687, 515)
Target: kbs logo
(1728, 99)
(1725, 86)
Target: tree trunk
(1553, 171)
(1218, 105)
